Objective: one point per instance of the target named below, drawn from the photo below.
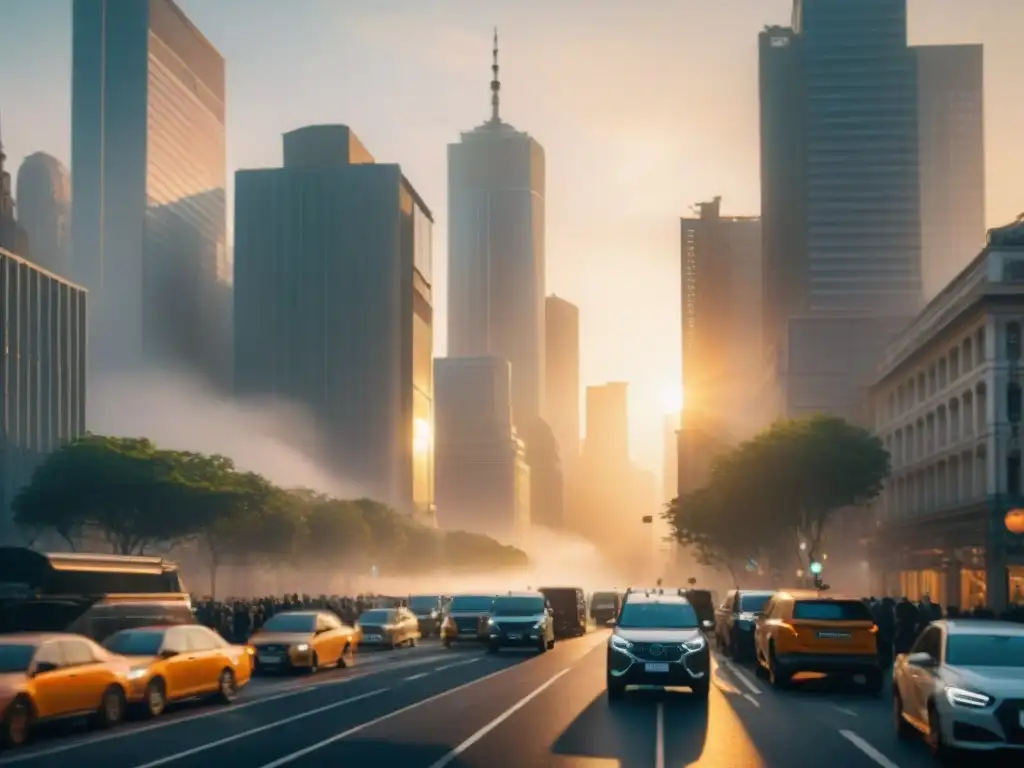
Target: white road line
(659, 736)
(742, 677)
(867, 749)
(383, 718)
(844, 710)
(457, 664)
(420, 676)
(498, 721)
(752, 700)
(251, 731)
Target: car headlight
(301, 647)
(696, 644)
(540, 624)
(620, 643)
(137, 672)
(960, 697)
(433, 614)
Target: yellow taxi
(167, 664)
(811, 631)
(303, 640)
(46, 677)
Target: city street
(429, 708)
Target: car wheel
(227, 686)
(778, 679)
(936, 744)
(314, 664)
(616, 690)
(111, 709)
(156, 698)
(16, 727)
(904, 730)
(551, 644)
(346, 648)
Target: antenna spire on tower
(495, 82)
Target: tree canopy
(135, 496)
(780, 489)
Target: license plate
(373, 638)
(832, 635)
(655, 667)
(514, 637)
(269, 659)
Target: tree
(335, 530)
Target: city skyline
(591, 241)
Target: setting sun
(672, 400)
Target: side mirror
(167, 653)
(44, 666)
(924, 660)
(610, 623)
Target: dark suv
(520, 620)
(657, 640)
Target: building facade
(148, 180)
(333, 308)
(951, 136)
(562, 374)
(42, 373)
(948, 405)
(721, 289)
(496, 260)
(481, 475)
(44, 210)
(12, 235)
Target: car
(810, 630)
(569, 606)
(520, 620)
(962, 687)
(388, 628)
(657, 640)
(734, 621)
(429, 610)
(294, 641)
(466, 619)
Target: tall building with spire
(12, 237)
(496, 252)
(44, 210)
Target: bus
(89, 594)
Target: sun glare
(672, 400)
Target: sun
(672, 400)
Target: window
(985, 650)
(378, 616)
(176, 641)
(291, 622)
(135, 642)
(471, 604)
(1013, 473)
(518, 606)
(1013, 341)
(753, 603)
(930, 642)
(16, 658)
(50, 653)
(831, 610)
(200, 639)
(658, 616)
(1013, 402)
(77, 653)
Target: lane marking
(292, 689)
(867, 749)
(383, 718)
(742, 677)
(752, 700)
(844, 710)
(235, 737)
(420, 676)
(447, 759)
(457, 664)
(659, 736)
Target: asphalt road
(432, 708)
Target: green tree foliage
(135, 496)
(779, 488)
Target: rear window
(753, 603)
(377, 616)
(471, 604)
(985, 651)
(831, 610)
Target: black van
(604, 606)
(569, 608)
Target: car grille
(657, 652)
(467, 623)
(516, 626)
(272, 648)
(1008, 715)
(371, 630)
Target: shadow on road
(627, 730)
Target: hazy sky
(641, 112)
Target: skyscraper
(44, 210)
(562, 373)
(607, 440)
(840, 197)
(496, 253)
(148, 181)
(333, 308)
(12, 236)
(483, 481)
(951, 133)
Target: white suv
(962, 686)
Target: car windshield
(423, 603)
(658, 616)
(291, 622)
(135, 642)
(16, 658)
(518, 606)
(377, 616)
(753, 603)
(985, 650)
(471, 604)
(831, 610)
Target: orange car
(46, 677)
(305, 640)
(179, 662)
